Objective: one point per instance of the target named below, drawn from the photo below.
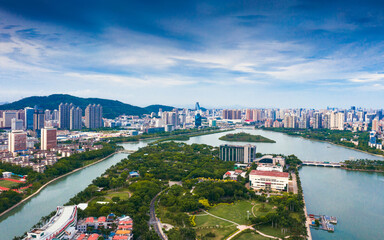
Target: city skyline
(262, 54)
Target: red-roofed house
(267, 179)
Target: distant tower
(197, 115)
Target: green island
(192, 197)
(245, 137)
(364, 165)
(342, 138)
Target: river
(356, 198)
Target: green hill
(111, 108)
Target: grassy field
(220, 233)
(208, 221)
(237, 212)
(251, 235)
(8, 184)
(269, 230)
(122, 193)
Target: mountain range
(111, 108)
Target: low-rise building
(233, 175)
(268, 180)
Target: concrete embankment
(307, 222)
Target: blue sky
(220, 53)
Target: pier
(322, 164)
(326, 223)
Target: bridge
(322, 164)
(127, 151)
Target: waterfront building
(269, 180)
(17, 141)
(94, 116)
(75, 118)
(28, 114)
(57, 226)
(244, 154)
(269, 167)
(17, 124)
(269, 159)
(64, 115)
(48, 138)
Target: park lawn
(122, 193)
(258, 212)
(220, 233)
(269, 230)
(236, 212)
(8, 184)
(209, 221)
(252, 235)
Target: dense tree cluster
(364, 164)
(245, 137)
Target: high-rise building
(28, 122)
(17, 141)
(16, 124)
(231, 114)
(64, 115)
(94, 116)
(48, 138)
(7, 118)
(337, 120)
(249, 114)
(375, 125)
(318, 121)
(244, 154)
(47, 115)
(55, 115)
(75, 118)
(38, 119)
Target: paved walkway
(221, 218)
(241, 228)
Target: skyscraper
(38, 119)
(94, 116)
(17, 141)
(48, 138)
(28, 122)
(75, 118)
(318, 121)
(64, 115)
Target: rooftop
(269, 174)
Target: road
(154, 221)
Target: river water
(355, 198)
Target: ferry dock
(325, 222)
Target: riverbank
(362, 170)
(53, 180)
(307, 221)
(325, 141)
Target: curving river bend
(356, 198)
